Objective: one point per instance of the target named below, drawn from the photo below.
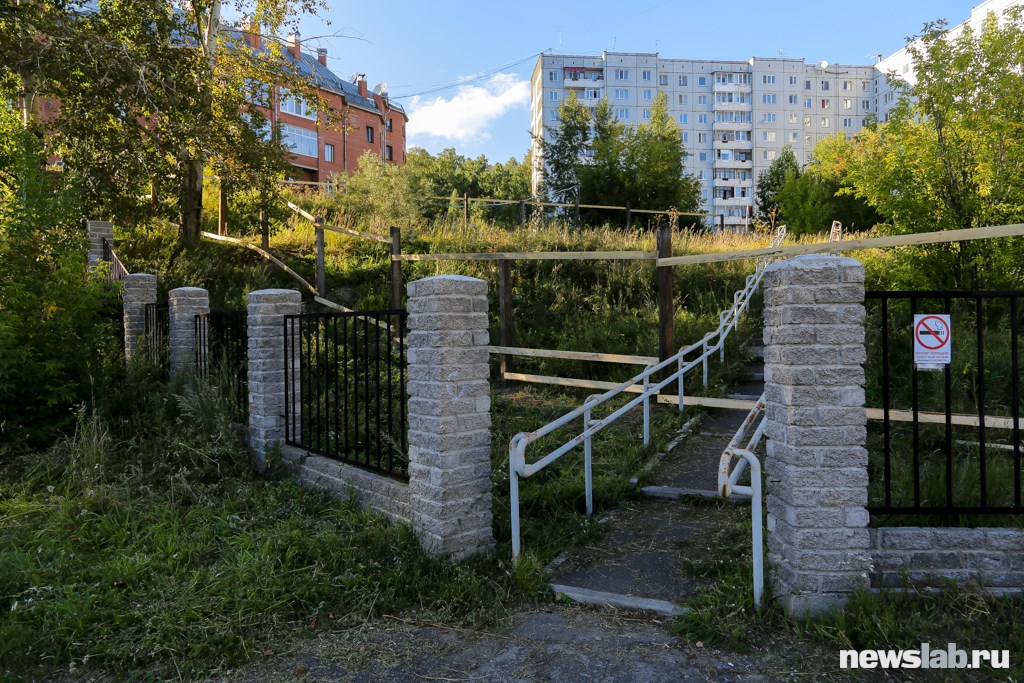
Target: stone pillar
(266, 378)
(139, 290)
(449, 415)
(817, 481)
(98, 231)
(185, 303)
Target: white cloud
(466, 115)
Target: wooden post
(629, 217)
(666, 312)
(321, 269)
(264, 229)
(522, 213)
(506, 334)
(465, 210)
(577, 212)
(721, 222)
(222, 209)
(396, 267)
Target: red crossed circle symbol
(931, 334)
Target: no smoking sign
(932, 340)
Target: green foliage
(951, 154)
(770, 182)
(50, 326)
(563, 153)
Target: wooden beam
(937, 237)
(666, 307)
(506, 332)
(535, 256)
(575, 355)
(321, 256)
(358, 233)
(265, 254)
(305, 214)
(940, 418)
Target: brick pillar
(266, 378)
(817, 482)
(139, 290)
(98, 230)
(449, 415)
(185, 303)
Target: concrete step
(675, 493)
(586, 596)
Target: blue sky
(485, 51)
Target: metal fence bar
(1015, 398)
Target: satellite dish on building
(823, 64)
(381, 88)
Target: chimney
(361, 84)
(294, 45)
(321, 55)
(252, 35)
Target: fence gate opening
(345, 388)
(157, 323)
(222, 346)
(948, 440)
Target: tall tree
(771, 181)
(564, 154)
(147, 88)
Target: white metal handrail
(728, 477)
(727, 321)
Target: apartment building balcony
(734, 201)
(583, 81)
(731, 125)
(732, 87)
(732, 106)
(734, 163)
(732, 182)
(735, 222)
(743, 145)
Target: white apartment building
(735, 117)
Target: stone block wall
(139, 290)
(266, 309)
(98, 231)
(816, 428)
(990, 558)
(184, 304)
(449, 415)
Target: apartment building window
(702, 80)
(807, 141)
(768, 118)
(745, 117)
(723, 78)
(847, 123)
(767, 80)
(723, 97)
(824, 122)
(552, 75)
(553, 96)
(686, 137)
(684, 99)
(554, 115)
(847, 85)
(704, 195)
(793, 99)
(769, 154)
(702, 118)
(369, 133)
(825, 104)
(702, 138)
(702, 99)
(703, 156)
(807, 103)
(622, 114)
(768, 136)
(622, 74)
(808, 121)
(742, 98)
(888, 96)
(807, 85)
(256, 91)
(663, 79)
(387, 125)
(329, 153)
(847, 104)
(864, 86)
(646, 75)
(792, 80)
(621, 93)
(703, 175)
(824, 85)
(263, 130)
(647, 94)
(743, 79)
(299, 140)
(684, 80)
(647, 114)
(768, 99)
(296, 107)
(684, 118)
(793, 136)
(865, 104)
(792, 118)
(592, 94)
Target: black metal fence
(222, 352)
(949, 441)
(117, 270)
(157, 339)
(350, 388)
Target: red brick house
(365, 121)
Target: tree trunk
(191, 201)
